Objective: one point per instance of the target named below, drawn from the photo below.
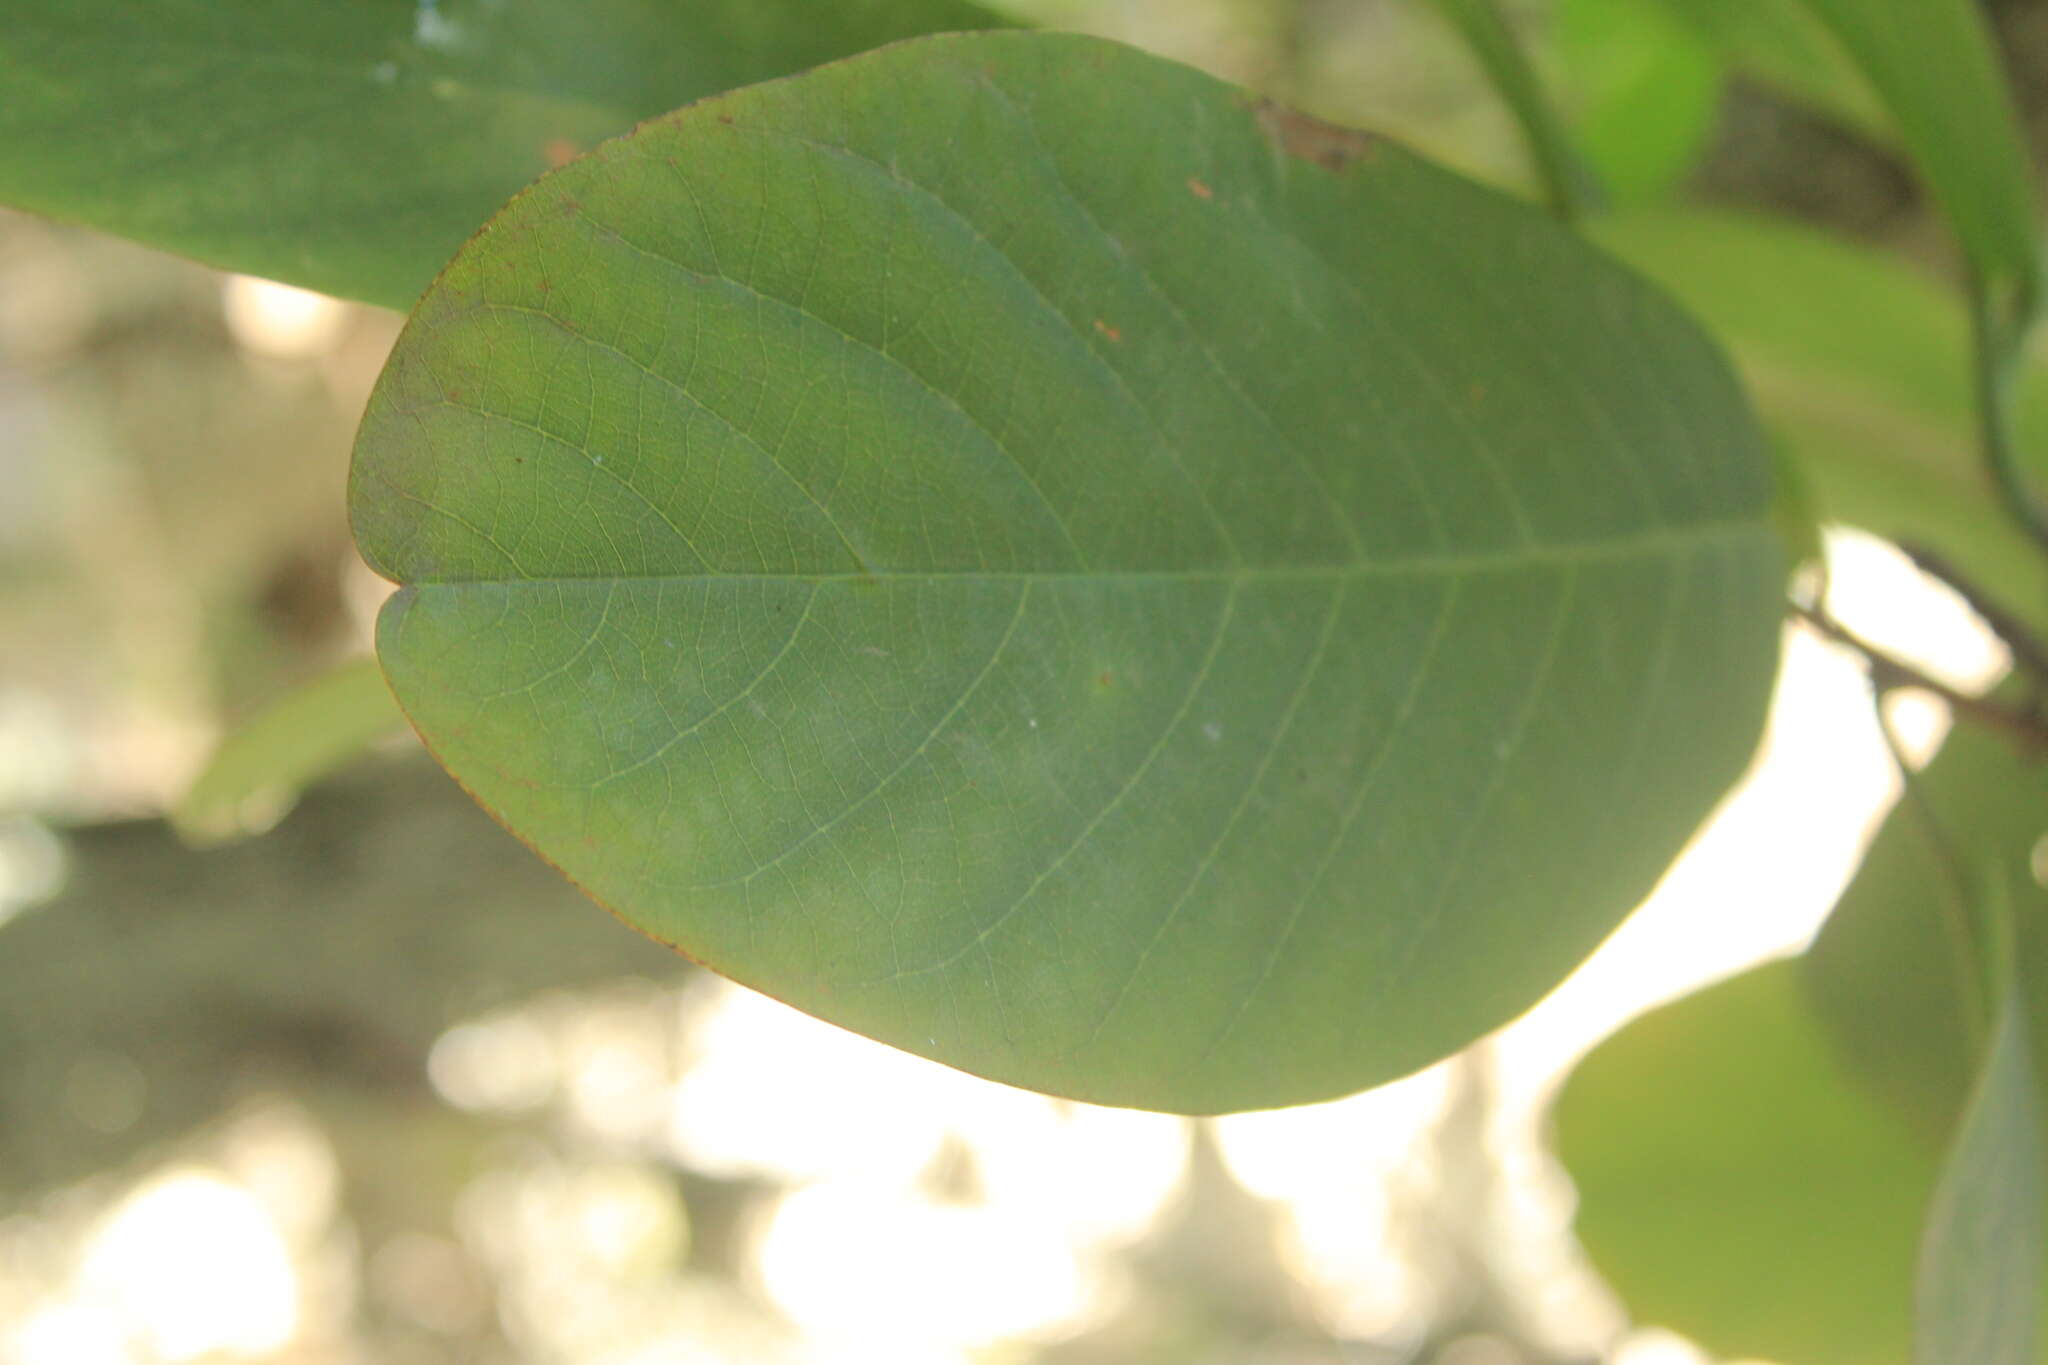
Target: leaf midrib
(287, 60)
(1671, 541)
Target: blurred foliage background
(377, 1086)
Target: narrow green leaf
(1736, 1186)
(1860, 367)
(1568, 182)
(1979, 1289)
(1782, 44)
(352, 145)
(292, 743)
(1934, 65)
(1017, 548)
(1645, 88)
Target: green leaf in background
(1645, 89)
(1755, 1162)
(1737, 1186)
(1892, 975)
(1860, 366)
(1018, 549)
(1979, 1291)
(277, 753)
(1935, 67)
(351, 145)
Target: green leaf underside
(1735, 1185)
(1015, 550)
(1979, 1293)
(351, 145)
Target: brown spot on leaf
(1329, 145)
(1105, 679)
(560, 151)
(1200, 190)
(1108, 331)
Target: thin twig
(1958, 923)
(2029, 654)
(1888, 671)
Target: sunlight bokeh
(189, 1264)
(278, 320)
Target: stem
(1570, 187)
(1996, 346)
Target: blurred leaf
(1859, 365)
(1934, 65)
(1796, 514)
(1569, 182)
(1783, 44)
(351, 145)
(1647, 91)
(1889, 973)
(301, 737)
(162, 985)
(1735, 1185)
(1830, 1085)
(1979, 1292)
(1192, 632)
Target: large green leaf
(1016, 548)
(1979, 1292)
(352, 145)
(1736, 1185)
(1860, 366)
(1933, 64)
